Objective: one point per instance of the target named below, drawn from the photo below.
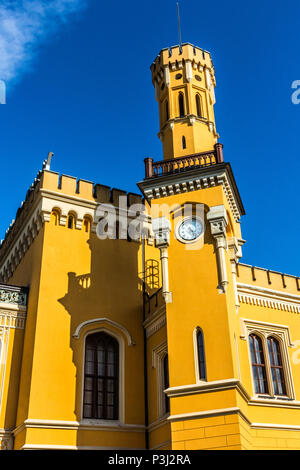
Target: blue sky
(80, 86)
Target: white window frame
(282, 334)
(158, 355)
(196, 356)
(121, 398)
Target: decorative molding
(11, 319)
(6, 439)
(218, 221)
(21, 242)
(205, 387)
(208, 413)
(191, 180)
(121, 399)
(158, 423)
(78, 425)
(282, 334)
(274, 402)
(13, 295)
(66, 447)
(264, 297)
(106, 321)
(233, 410)
(282, 427)
(155, 322)
(248, 326)
(157, 353)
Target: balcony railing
(180, 164)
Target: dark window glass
(101, 378)
(258, 364)
(198, 106)
(181, 105)
(86, 225)
(70, 221)
(183, 143)
(276, 367)
(167, 110)
(201, 355)
(166, 382)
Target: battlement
(176, 56)
(83, 189)
(77, 193)
(267, 278)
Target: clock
(189, 229)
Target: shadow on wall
(112, 290)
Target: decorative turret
(184, 81)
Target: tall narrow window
(181, 104)
(276, 367)
(86, 224)
(183, 142)
(198, 106)
(71, 221)
(55, 217)
(201, 355)
(167, 110)
(166, 381)
(101, 378)
(258, 364)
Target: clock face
(190, 229)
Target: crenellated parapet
(64, 195)
(178, 57)
(184, 81)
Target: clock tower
(196, 209)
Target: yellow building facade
(128, 321)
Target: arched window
(55, 217)
(276, 366)
(181, 104)
(101, 377)
(86, 224)
(201, 355)
(71, 221)
(198, 106)
(258, 364)
(167, 110)
(183, 142)
(166, 381)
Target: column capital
(218, 220)
(161, 228)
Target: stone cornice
(13, 295)
(156, 321)
(206, 387)
(12, 319)
(195, 179)
(76, 425)
(261, 296)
